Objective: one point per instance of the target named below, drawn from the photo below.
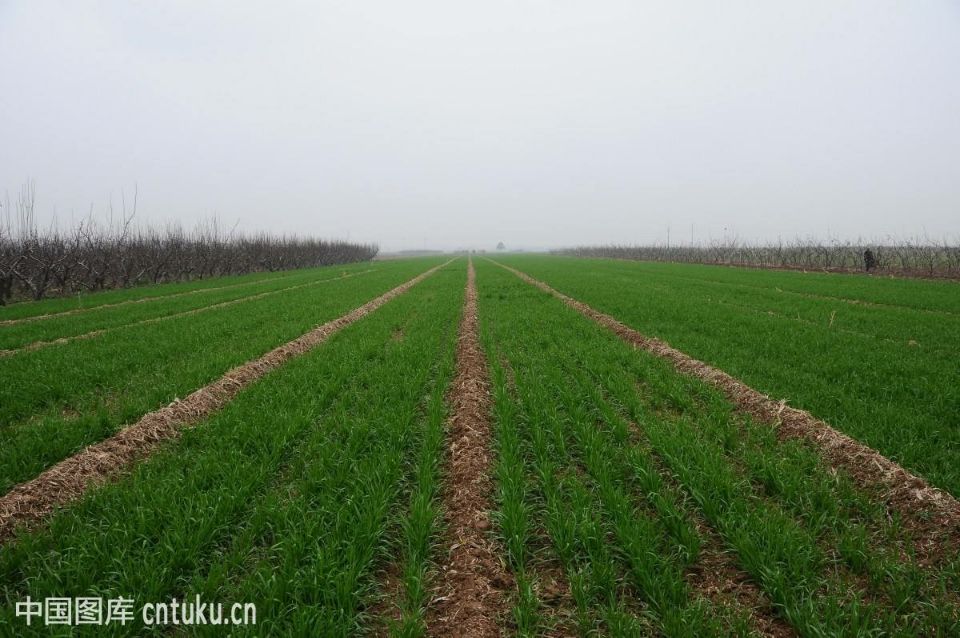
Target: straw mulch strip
(470, 600)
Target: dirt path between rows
(76, 311)
(931, 515)
(36, 345)
(30, 502)
(470, 600)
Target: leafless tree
(93, 255)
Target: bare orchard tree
(95, 255)
(9, 254)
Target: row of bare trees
(922, 258)
(115, 253)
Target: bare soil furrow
(386, 614)
(556, 600)
(36, 345)
(69, 479)
(932, 515)
(471, 596)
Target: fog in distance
(458, 125)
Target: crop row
(901, 368)
(56, 400)
(627, 498)
(60, 306)
(293, 496)
(928, 296)
(605, 433)
(104, 318)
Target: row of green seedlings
(54, 402)
(909, 294)
(869, 392)
(20, 335)
(287, 498)
(556, 471)
(377, 455)
(902, 330)
(421, 523)
(626, 549)
(762, 494)
(77, 304)
(938, 334)
(513, 498)
(896, 323)
(393, 466)
(913, 600)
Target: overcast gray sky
(455, 124)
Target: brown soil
(36, 345)
(556, 600)
(30, 502)
(932, 515)
(471, 596)
(385, 613)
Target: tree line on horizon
(907, 257)
(97, 255)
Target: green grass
(92, 300)
(614, 475)
(416, 545)
(614, 547)
(859, 373)
(918, 294)
(618, 438)
(58, 399)
(290, 497)
(19, 335)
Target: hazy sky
(455, 124)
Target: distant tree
(116, 253)
(869, 261)
(500, 246)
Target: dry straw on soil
(471, 596)
(69, 479)
(932, 515)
